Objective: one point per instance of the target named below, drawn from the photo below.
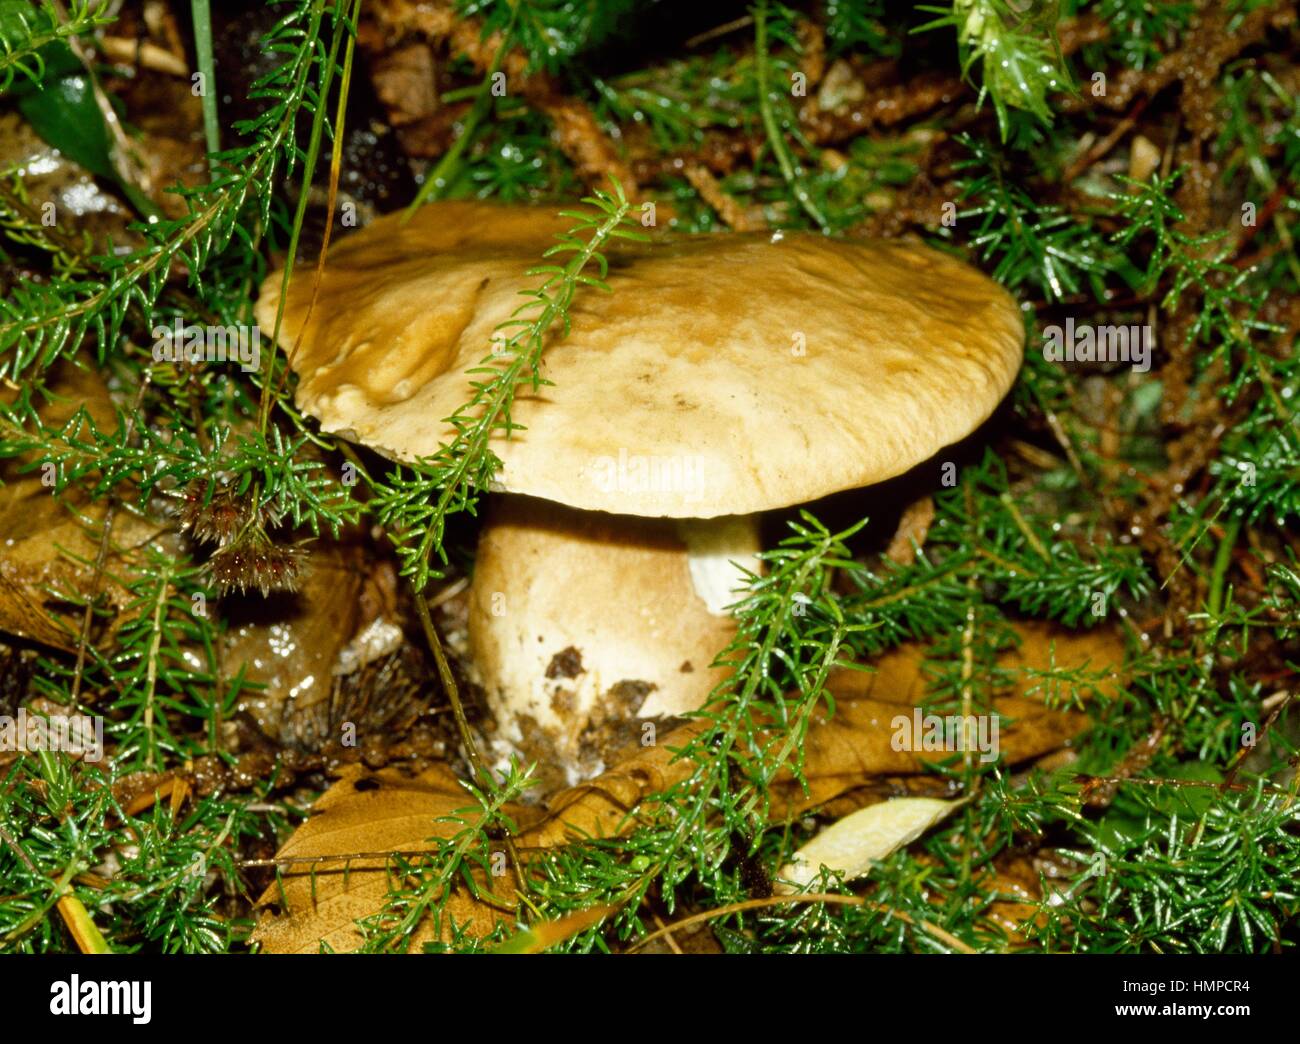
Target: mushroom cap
(724, 374)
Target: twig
(336, 166)
(101, 556)
(947, 938)
(719, 30)
(727, 208)
(304, 194)
(1230, 776)
(18, 850)
(477, 764)
(346, 857)
(1030, 536)
(1107, 143)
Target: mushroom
(724, 376)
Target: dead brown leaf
(845, 750)
(50, 545)
(600, 807)
(361, 816)
(1016, 910)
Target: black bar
(314, 994)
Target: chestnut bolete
(723, 376)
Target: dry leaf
(896, 675)
(44, 537)
(385, 812)
(1016, 910)
(844, 750)
(600, 807)
(851, 845)
(364, 813)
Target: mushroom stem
(585, 626)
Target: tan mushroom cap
(724, 375)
